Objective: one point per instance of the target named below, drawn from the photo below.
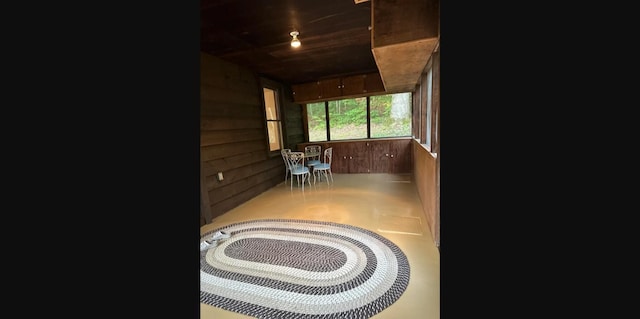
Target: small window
(317, 121)
(274, 125)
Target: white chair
(285, 153)
(325, 166)
(312, 154)
(298, 169)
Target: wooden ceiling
(335, 37)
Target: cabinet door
(400, 153)
(373, 83)
(380, 157)
(331, 88)
(351, 157)
(353, 85)
(359, 157)
(340, 158)
(306, 92)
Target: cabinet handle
(350, 157)
(391, 155)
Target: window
(428, 113)
(390, 115)
(317, 121)
(387, 115)
(348, 119)
(430, 104)
(274, 125)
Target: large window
(274, 127)
(430, 104)
(376, 116)
(390, 115)
(348, 119)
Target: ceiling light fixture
(295, 42)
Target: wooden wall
(233, 136)
(426, 164)
(426, 179)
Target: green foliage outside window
(390, 116)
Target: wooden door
(331, 88)
(353, 85)
(340, 159)
(306, 92)
(359, 157)
(380, 157)
(373, 83)
(400, 156)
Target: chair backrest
(285, 154)
(313, 149)
(328, 154)
(296, 159)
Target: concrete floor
(387, 204)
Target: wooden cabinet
(344, 87)
(362, 84)
(331, 88)
(307, 91)
(381, 157)
(351, 157)
(391, 156)
(369, 156)
(373, 82)
(400, 156)
(403, 37)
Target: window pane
(348, 119)
(390, 115)
(270, 104)
(317, 122)
(428, 114)
(274, 135)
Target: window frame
(427, 120)
(277, 90)
(368, 116)
(435, 101)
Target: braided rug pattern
(301, 269)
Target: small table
(310, 155)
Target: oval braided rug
(286, 268)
